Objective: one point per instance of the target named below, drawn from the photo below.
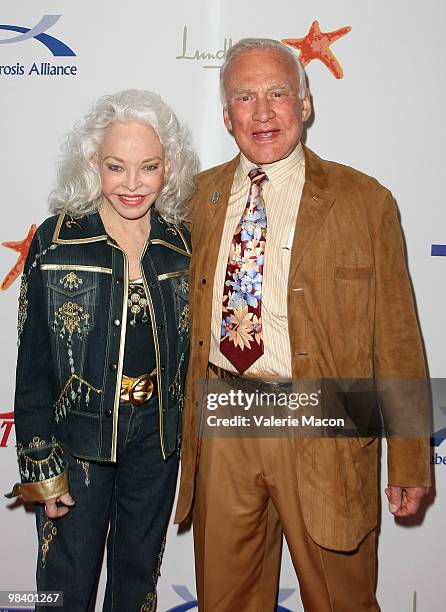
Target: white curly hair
(78, 190)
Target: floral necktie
(241, 326)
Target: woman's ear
(94, 160)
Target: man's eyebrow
(278, 86)
(241, 90)
(246, 89)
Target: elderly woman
(103, 347)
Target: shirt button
(203, 280)
(107, 412)
(113, 367)
(117, 322)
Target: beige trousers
(246, 489)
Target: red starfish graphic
(21, 247)
(316, 45)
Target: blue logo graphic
(191, 601)
(57, 47)
(439, 436)
(438, 250)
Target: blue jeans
(134, 498)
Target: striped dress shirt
(281, 193)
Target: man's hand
(54, 511)
(405, 501)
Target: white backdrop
(384, 117)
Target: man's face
(263, 110)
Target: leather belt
(262, 382)
(138, 390)
(222, 373)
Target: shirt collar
(277, 172)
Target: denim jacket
(72, 329)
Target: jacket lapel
(316, 201)
(216, 212)
(88, 228)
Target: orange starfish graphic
(21, 247)
(316, 45)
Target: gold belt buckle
(141, 390)
(138, 390)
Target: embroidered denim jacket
(72, 327)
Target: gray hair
(78, 189)
(249, 44)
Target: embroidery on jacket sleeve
(23, 294)
(70, 396)
(71, 280)
(49, 532)
(23, 304)
(31, 469)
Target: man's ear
(306, 108)
(226, 119)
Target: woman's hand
(53, 510)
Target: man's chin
(262, 158)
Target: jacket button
(203, 280)
(107, 412)
(113, 367)
(119, 281)
(159, 327)
(163, 368)
(117, 322)
(200, 342)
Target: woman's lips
(132, 200)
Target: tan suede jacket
(354, 317)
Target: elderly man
(330, 297)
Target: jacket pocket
(353, 273)
(72, 295)
(71, 298)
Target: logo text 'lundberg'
(205, 56)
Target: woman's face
(132, 167)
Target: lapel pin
(215, 197)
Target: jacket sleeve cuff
(41, 491)
(408, 462)
(40, 460)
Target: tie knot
(257, 177)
